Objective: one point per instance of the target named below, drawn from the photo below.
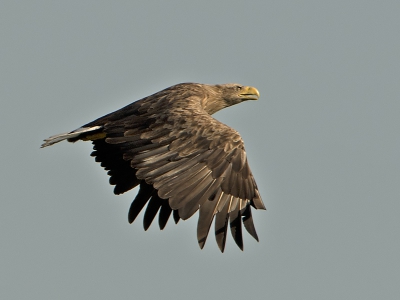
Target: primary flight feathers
(183, 159)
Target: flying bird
(182, 159)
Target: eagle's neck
(211, 106)
(213, 102)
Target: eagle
(182, 159)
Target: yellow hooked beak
(249, 93)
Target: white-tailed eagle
(182, 158)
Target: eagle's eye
(238, 87)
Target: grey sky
(322, 141)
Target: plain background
(322, 141)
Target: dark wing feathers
(121, 174)
(206, 215)
(151, 210)
(144, 194)
(248, 222)
(176, 216)
(184, 161)
(165, 213)
(236, 226)
(221, 224)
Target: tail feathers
(68, 135)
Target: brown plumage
(183, 159)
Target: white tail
(68, 135)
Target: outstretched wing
(184, 161)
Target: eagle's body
(183, 159)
